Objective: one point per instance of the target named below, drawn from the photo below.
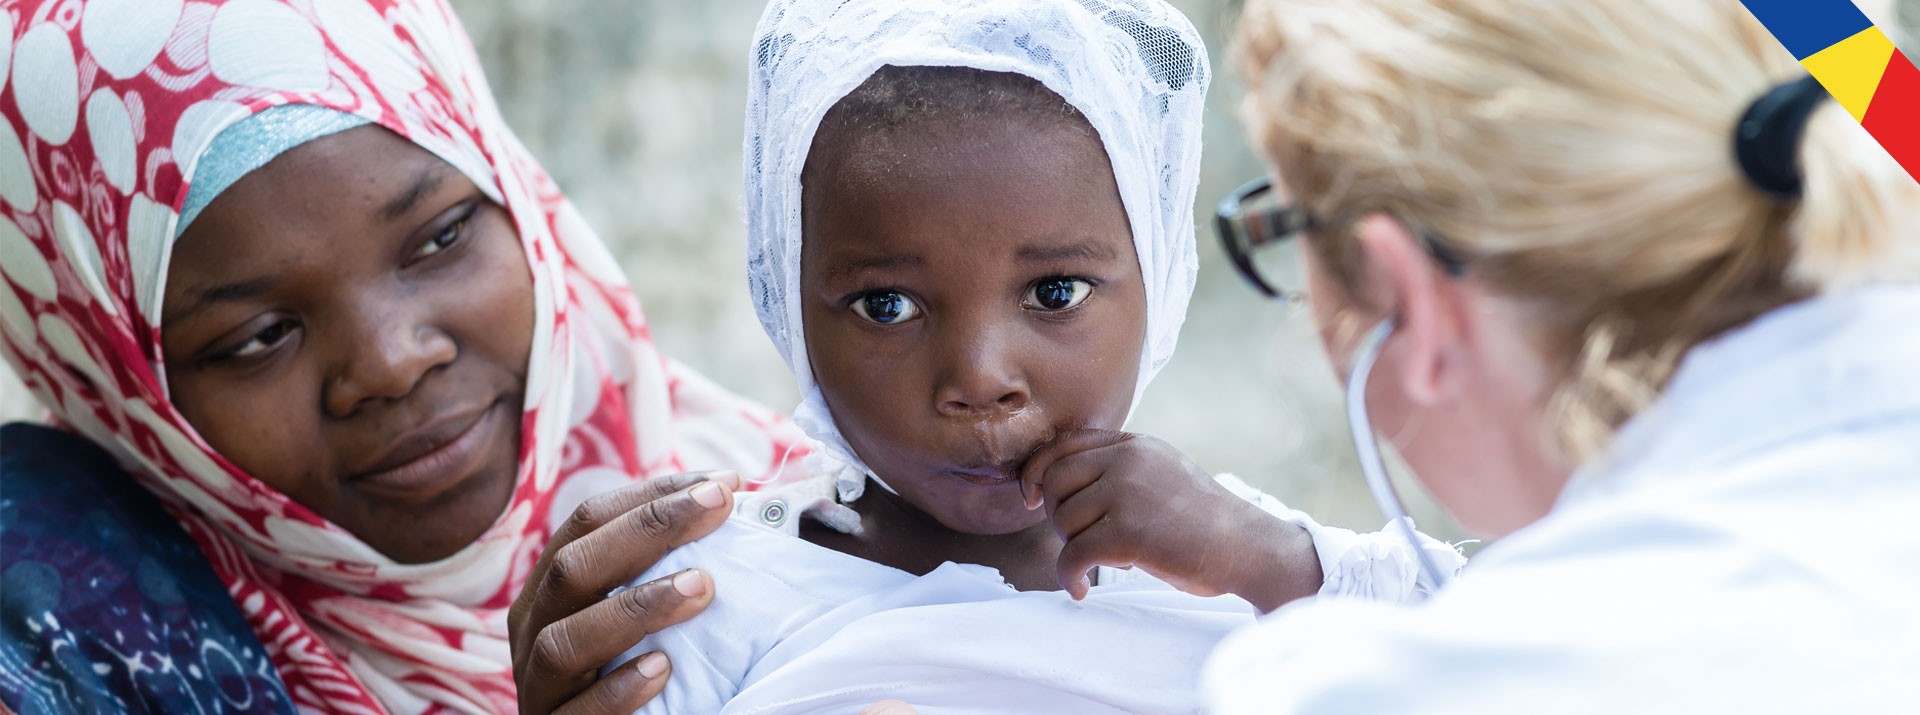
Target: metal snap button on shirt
(773, 513)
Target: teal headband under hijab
(250, 143)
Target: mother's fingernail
(730, 480)
(690, 583)
(652, 665)
(710, 495)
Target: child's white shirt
(799, 628)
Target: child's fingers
(1073, 516)
(1076, 472)
(1081, 555)
(1033, 476)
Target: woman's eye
(885, 308)
(262, 341)
(443, 240)
(1055, 294)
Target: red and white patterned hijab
(106, 106)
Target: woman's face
(969, 289)
(350, 324)
(1459, 389)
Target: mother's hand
(564, 627)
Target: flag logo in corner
(1856, 62)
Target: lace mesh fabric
(1136, 69)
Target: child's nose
(983, 402)
(982, 378)
(982, 397)
(384, 360)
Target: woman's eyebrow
(1087, 250)
(199, 299)
(424, 183)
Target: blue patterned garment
(108, 606)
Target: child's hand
(1124, 500)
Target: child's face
(969, 289)
(350, 324)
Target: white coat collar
(1806, 368)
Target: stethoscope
(1367, 443)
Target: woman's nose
(385, 360)
(982, 376)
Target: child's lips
(978, 479)
(993, 474)
(998, 456)
(985, 479)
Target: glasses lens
(1271, 244)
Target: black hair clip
(1767, 140)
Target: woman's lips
(433, 459)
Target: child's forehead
(990, 159)
(1008, 192)
(848, 156)
(895, 94)
(927, 161)
(942, 103)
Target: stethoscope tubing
(1367, 443)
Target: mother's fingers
(584, 570)
(578, 571)
(564, 627)
(577, 646)
(597, 511)
(623, 690)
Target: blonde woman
(1638, 304)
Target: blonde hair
(1579, 154)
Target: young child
(971, 237)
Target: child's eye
(1056, 294)
(443, 240)
(261, 342)
(885, 308)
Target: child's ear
(1409, 285)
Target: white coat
(1750, 545)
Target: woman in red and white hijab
(284, 261)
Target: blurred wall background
(636, 108)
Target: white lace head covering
(1136, 69)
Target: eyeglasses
(1257, 230)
